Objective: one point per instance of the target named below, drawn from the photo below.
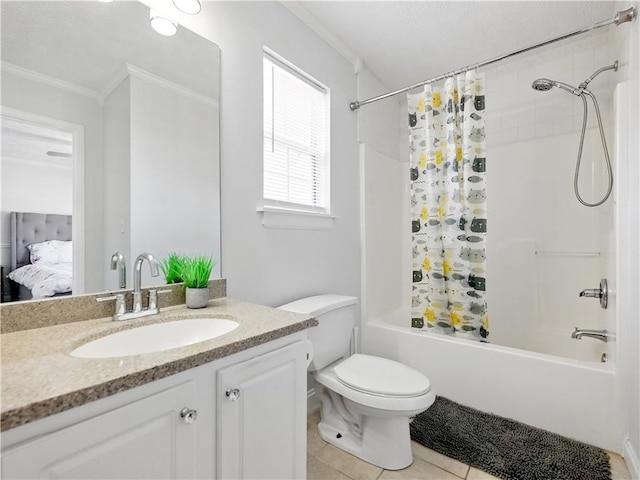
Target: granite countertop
(40, 378)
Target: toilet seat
(409, 404)
(381, 376)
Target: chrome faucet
(118, 263)
(578, 333)
(137, 278)
(121, 312)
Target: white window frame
(284, 214)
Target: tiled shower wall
(516, 112)
(544, 247)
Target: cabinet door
(262, 405)
(144, 439)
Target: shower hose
(604, 146)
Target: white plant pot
(197, 297)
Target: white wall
(384, 199)
(63, 105)
(162, 169)
(384, 184)
(545, 248)
(174, 173)
(626, 40)
(117, 179)
(50, 190)
(274, 266)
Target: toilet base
(385, 442)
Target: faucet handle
(153, 296)
(120, 302)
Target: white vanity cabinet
(182, 426)
(262, 403)
(138, 440)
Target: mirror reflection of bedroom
(37, 206)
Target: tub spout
(578, 333)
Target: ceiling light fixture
(191, 7)
(162, 25)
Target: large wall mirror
(109, 125)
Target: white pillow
(51, 252)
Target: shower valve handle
(591, 292)
(602, 293)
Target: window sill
(274, 217)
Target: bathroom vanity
(230, 407)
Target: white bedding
(44, 280)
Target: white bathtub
(570, 397)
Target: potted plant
(195, 274)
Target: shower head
(544, 84)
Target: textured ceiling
(405, 42)
(88, 43)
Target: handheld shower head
(544, 85)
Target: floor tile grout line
(330, 466)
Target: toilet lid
(381, 376)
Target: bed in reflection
(41, 255)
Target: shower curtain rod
(620, 18)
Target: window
(296, 139)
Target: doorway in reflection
(37, 181)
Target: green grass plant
(196, 271)
(172, 267)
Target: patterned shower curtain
(448, 205)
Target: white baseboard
(631, 460)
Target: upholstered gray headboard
(28, 228)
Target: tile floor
(326, 462)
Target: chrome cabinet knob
(188, 415)
(233, 394)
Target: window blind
(295, 138)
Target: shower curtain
(448, 207)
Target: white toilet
(366, 400)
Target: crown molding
(169, 85)
(124, 72)
(49, 80)
(297, 8)
(116, 80)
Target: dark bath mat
(505, 448)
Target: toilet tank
(336, 315)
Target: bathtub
(573, 398)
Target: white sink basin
(155, 338)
